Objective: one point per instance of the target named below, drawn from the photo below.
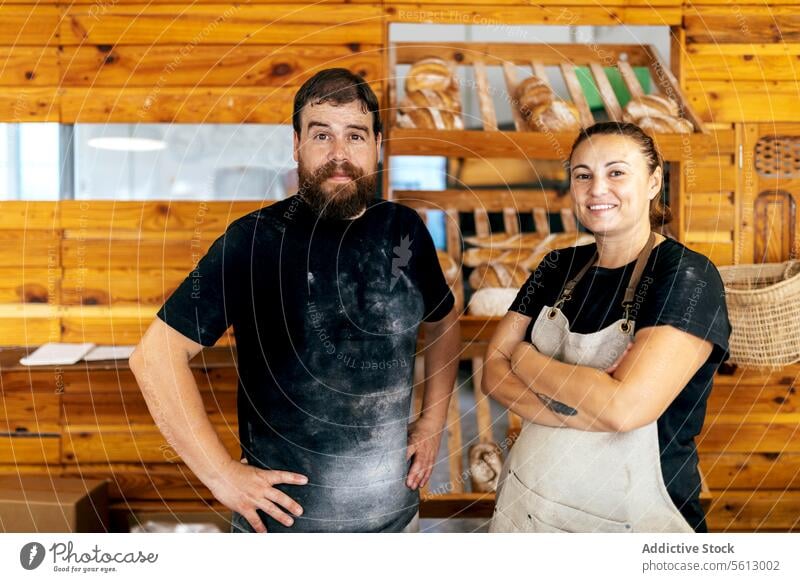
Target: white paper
(57, 354)
(109, 353)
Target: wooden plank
(751, 101)
(533, 14)
(540, 221)
(495, 54)
(775, 226)
(30, 449)
(82, 286)
(217, 382)
(709, 219)
(490, 200)
(172, 104)
(745, 511)
(523, 144)
(761, 437)
(454, 505)
(139, 254)
(751, 471)
(29, 412)
(576, 92)
(26, 66)
(486, 105)
(483, 413)
(25, 214)
(630, 79)
(230, 24)
(555, 3)
(511, 220)
(24, 331)
(130, 408)
(747, 66)
(30, 247)
(482, 226)
(452, 227)
(155, 216)
(211, 66)
(143, 482)
(455, 447)
(607, 94)
(125, 444)
(568, 221)
(739, 24)
(719, 253)
(29, 285)
(30, 25)
(23, 104)
(510, 76)
(540, 71)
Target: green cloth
(620, 89)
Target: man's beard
(341, 201)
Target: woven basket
(764, 311)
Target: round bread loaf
(492, 301)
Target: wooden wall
(97, 271)
(214, 62)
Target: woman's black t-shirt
(679, 287)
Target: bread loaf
(657, 114)
(492, 302)
(431, 73)
(497, 274)
(556, 116)
(432, 99)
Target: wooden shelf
(515, 59)
(521, 144)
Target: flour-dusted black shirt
(325, 315)
(679, 287)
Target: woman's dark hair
(660, 214)
(337, 86)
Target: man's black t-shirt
(679, 287)
(325, 316)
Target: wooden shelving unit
(489, 141)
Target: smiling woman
(615, 340)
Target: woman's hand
(613, 367)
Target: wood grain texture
(212, 66)
(223, 24)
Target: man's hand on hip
(424, 438)
(244, 489)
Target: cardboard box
(44, 504)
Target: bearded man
(326, 291)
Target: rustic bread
(497, 274)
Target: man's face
(337, 156)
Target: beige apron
(568, 480)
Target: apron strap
(633, 283)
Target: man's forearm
(443, 343)
(175, 403)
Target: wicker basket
(764, 311)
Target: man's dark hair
(338, 87)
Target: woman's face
(611, 185)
